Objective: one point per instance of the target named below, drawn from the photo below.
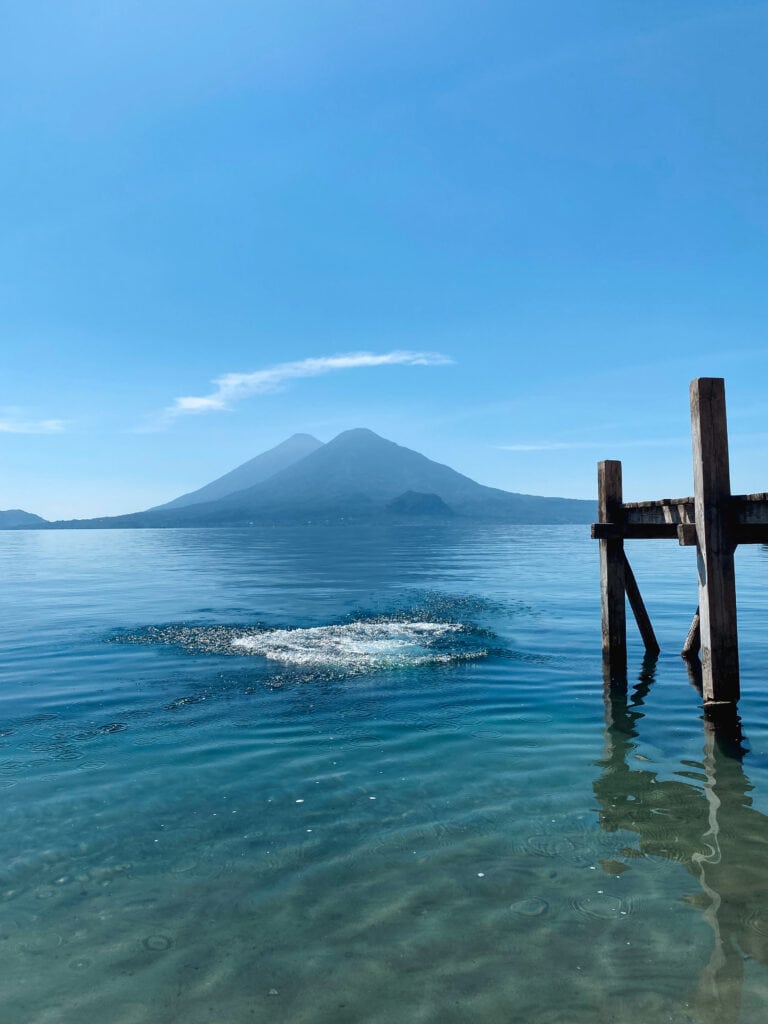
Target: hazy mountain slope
(13, 518)
(359, 471)
(416, 503)
(252, 472)
(357, 476)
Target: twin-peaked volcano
(357, 476)
(359, 473)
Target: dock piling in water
(714, 541)
(612, 582)
(713, 519)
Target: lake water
(369, 775)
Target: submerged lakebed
(357, 774)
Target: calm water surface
(346, 775)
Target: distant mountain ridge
(359, 470)
(17, 518)
(357, 476)
(252, 472)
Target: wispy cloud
(12, 425)
(231, 388)
(558, 446)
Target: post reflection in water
(708, 825)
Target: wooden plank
(638, 609)
(744, 508)
(686, 535)
(614, 619)
(641, 531)
(751, 533)
(717, 580)
(678, 511)
(749, 508)
(692, 644)
(657, 503)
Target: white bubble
(360, 646)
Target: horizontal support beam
(683, 533)
(755, 533)
(750, 533)
(743, 509)
(628, 531)
(749, 508)
(657, 503)
(668, 510)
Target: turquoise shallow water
(353, 775)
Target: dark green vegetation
(358, 477)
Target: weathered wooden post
(715, 521)
(612, 582)
(638, 610)
(715, 542)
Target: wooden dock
(714, 520)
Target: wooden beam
(642, 531)
(638, 610)
(747, 525)
(717, 579)
(614, 618)
(747, 509)
(668, 510)
(750, 533)
(750, 508)
(686, 535)
(692, 644)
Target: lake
(332, 774)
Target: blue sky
(536, 220)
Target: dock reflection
(708, 825)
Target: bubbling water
(356, 645)
(348, 648)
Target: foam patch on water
(346, 648)
(356, 645)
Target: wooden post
(715, 544)
(642, 617)
(614, 617)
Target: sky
(507, 234)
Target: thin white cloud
(231, 388)
(11, 425)
(567, 446)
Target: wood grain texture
(637, 605)
(692, 644)
(715, 548)
(686, 535)
(754, 532)
(613, 604)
